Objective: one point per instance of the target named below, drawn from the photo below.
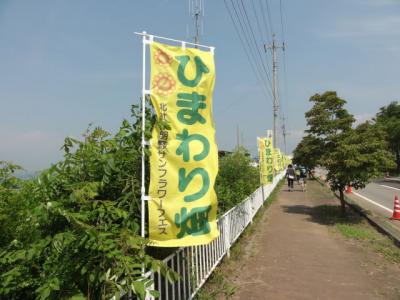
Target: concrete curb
(391, 179)
(382, 225)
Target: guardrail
(196, 263)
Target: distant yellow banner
(269, 156)
(262, 161)
(278, 160)
(266, 159)
(184, 155)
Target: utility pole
(284, 133)
(273, 47)
(196, 8)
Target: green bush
(74, 231)
(236, 179)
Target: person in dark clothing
(303, 178)
(290, 177)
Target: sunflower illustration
(162, 58)
(163, 84)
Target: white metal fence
(196, 263)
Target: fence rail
(195, 264)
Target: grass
(217, 285)
(354, 227)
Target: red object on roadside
(396, 209)
(349, 190)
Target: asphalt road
(378, 196)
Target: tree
(75, 232)
(389, 119)
(360, 154)
(308, 152)
(351, 156)
(236, 179)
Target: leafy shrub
(74, 232)
(236, 179)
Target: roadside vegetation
(388, 118)
(353, 226)
(237, 178)
(218, 286)
(351, 154)
(73, 232)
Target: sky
(66, 63)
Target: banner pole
(143, 190)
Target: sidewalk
(294, 254)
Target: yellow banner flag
(262, 161)
(266, 160)
(269, 156)
(184, 155)
(277, 159)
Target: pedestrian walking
(290, 177)
(297, 172)
(303, 178)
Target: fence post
(148, 297)
(250, 209)
(262, 193)
(227, 235)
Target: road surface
(378, 196)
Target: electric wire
(285, 81)
(261, 32)
(249, 53)
(247, 46)
(269, 17)
(255, 44)
(264, 18)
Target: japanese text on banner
(184, 157)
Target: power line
(281, 14)
(252, 64)
(260, 30)
(269, 17)
(285, 81)
(255, 44)
(264, 18)
(247, 46)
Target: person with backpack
(290, 175)
(297, 172)
(303, 178)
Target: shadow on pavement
(324, 214)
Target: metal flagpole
(143, 189)
(174, 40)
(148, 39)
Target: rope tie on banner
(183, 46)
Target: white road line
(373, 202)
(390, 187)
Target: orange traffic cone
(396, 209)
(349, 189)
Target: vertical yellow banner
(277, 159)
(266, 159)
(184, 155)
(269, 157)
(262, 161)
